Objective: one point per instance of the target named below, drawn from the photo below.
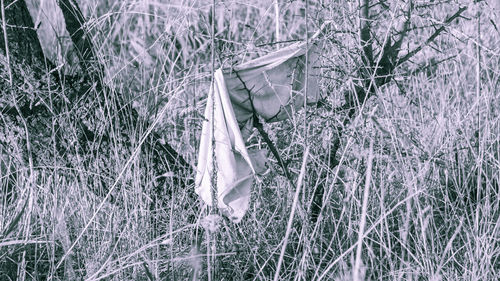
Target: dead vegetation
(101, 110)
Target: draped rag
(270, 87)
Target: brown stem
(273, 149)
(263, 133)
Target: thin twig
(402, 32)
(211, 245)
(278, 42)
(479, 141)
(431, 38)
(258, 125)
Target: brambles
(433, 205)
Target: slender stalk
(27, 223)
(292, 213)
(372, 227)
(277, 22)
(305, 195)
(364, 208)
(306, 73)
(211, 246)
(273, 149)
(479, 163)
(115, 184)
(212, 89)
(6, 42)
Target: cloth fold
(234, 170)
(271, 87)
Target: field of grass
(410, 176)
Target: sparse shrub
(72, 188)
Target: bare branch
(273, 149)
(432, 37)
(265, 136)
(402, 31)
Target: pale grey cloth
(270, 87)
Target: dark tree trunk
(90, 136)
(21, 36)
(165, 158)
(75, 21)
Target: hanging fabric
(234, 169)
(270, 87)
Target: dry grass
(433, 205)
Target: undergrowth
(433, 206)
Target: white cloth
(234, 169)
(271, 87)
